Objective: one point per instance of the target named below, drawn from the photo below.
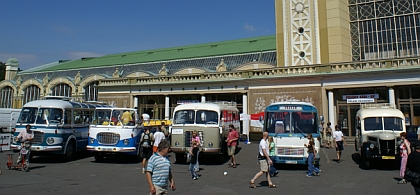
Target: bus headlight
(50, 140)
(210, 144)
(126, 142)
(177, 143)
(371, 146)
(92, 140)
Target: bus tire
(70, 151)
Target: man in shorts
(232, 142)
(264, 161)
(338, 142)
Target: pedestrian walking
(272, 154)
(195, 138)
(328, 135)
(194, 159)
(232, 142)
(146, 140)
(158, 137)
(158, 171)
(338, 142)
(311, 156)
(405, 150)
(413, 164)
(264, 162)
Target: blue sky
(43, 31)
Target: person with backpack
(146, 146)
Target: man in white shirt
(264, 161)
(338, 142)
(159, 136)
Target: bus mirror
(62, 121)
(321, 118)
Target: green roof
(248, 45)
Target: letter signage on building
(363, 96)
(361, 100)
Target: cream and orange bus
(210, 120)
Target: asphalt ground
(119, 175)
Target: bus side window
(67, 117)
(78, 118)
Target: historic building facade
(333, 54)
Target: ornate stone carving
(221, 67)
(163, 71)
(45, 80)
(77, 78)
(18, 81)
(116, 74)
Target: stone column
(331, 111)
(167, 108)
(203, 98)
(391, 95)
(245, 121)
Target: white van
(8, 119)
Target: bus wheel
(366, 163)
(70, 151)
(180, 158)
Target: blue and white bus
(289, 123)
(60, 126)
(115, 131)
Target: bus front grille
(108, 138)
(188, 138)
(387, 147)
(290, 151)
(38, 137)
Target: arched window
(6, 97)
(61, 90)
(91, 91)
(31, 93)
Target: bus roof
(380, 112)
(53, 103)
(205, 106)
(114, 108)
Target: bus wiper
(300, 131)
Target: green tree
(2, 70)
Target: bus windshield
(290, 122)
(32, 115)
(196, 117)
(389, 123)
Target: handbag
(412, 177)
(188, 157)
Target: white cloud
(249, 27)
(83, 54)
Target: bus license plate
(388, 157)
(291, 162)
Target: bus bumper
(290, 160)
(39, 148)
(110, 149)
